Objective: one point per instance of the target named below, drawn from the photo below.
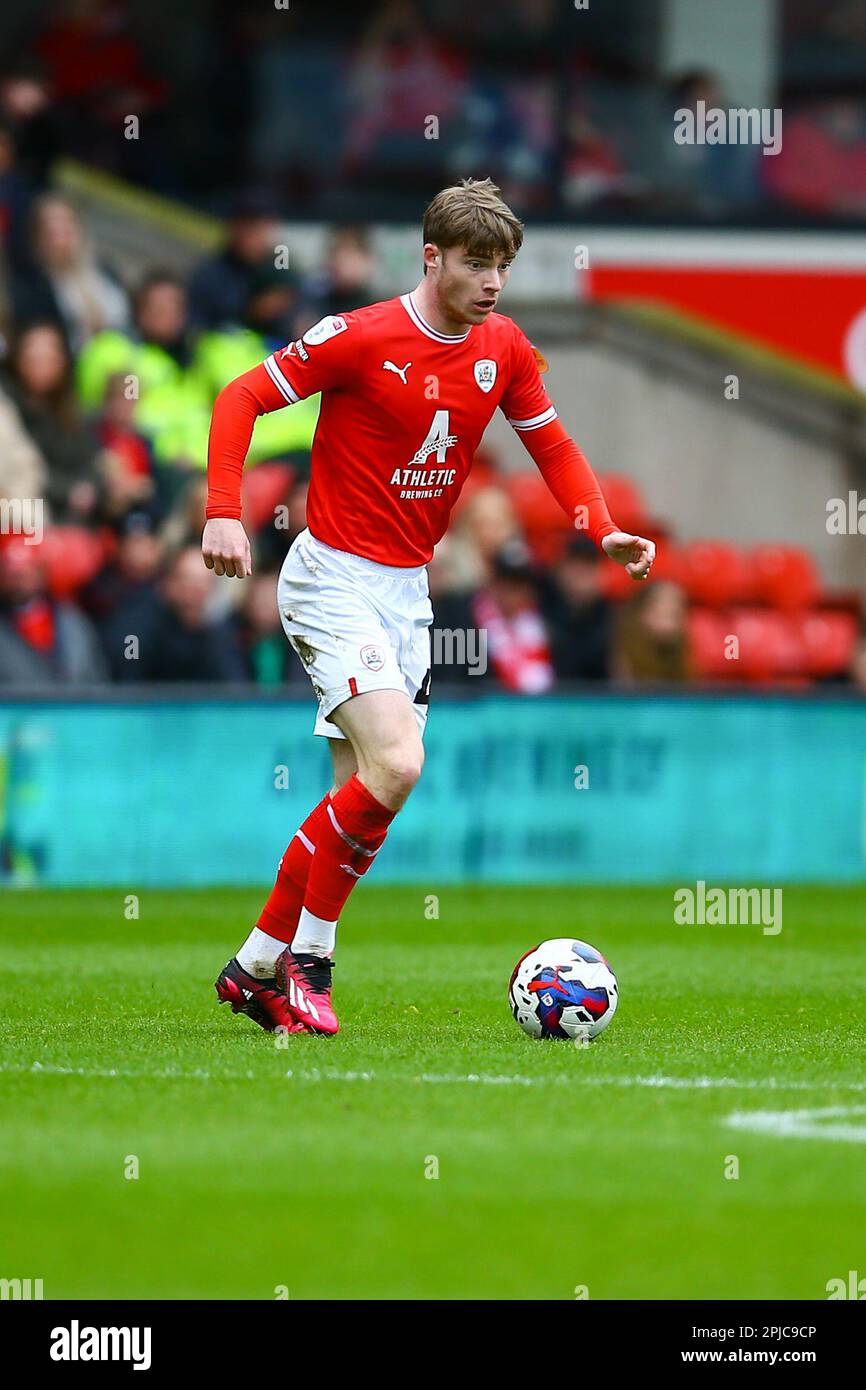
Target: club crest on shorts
(372, 657)
(485, 373)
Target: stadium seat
(72, 555)
(484, 473)
(615, 583)
(545, 524)
(715, 574)
(265, 487)
(785, 577)
(827, 638)
(769, 646)
(624, 502)
(708, 630)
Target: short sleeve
(525, 404)
(324, 359)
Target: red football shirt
(403, 411)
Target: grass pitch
(305, 1167)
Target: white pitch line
(315, 1074)
(123, 1073)
(670, 1083)
(802, 1124)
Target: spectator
(593, 171)
(581, 617)
(273, 540)
(272, 306)
(651, 644)
(98, 76)
(400, 75)
(451, 591)
(185, 522)
(222, 285)
(157, 360)
(43, 641)
(508, 128)
(346, 282)
(487, 521)
(16, 199)
(821, 167)
(63, 281)
(40, 385)
(296, 511)
(23, 472)
(179, 639)
(178, 375)
(700, 177)
(268, 323)
(129, 576)
(33, 123)
(128, 475)
(507, 609)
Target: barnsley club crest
(485, 373)
(372, 657)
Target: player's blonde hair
(472, 214)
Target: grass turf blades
(304, 1165)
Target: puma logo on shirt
(401, 371)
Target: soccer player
(408, 387)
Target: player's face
(467, 286)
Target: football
(563, 989)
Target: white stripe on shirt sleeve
(279, 380)
(535, 422)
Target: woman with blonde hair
(64, 281)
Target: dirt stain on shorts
(304, 650)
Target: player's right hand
(226, 548)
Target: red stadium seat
(265, 487)
(769, 645)
(786, 577)
(485, 470)
(624, 502)
(484, 473)
(716, 573)
(545, 525)
(615, 583)
(708, 630)
(828, 638)
(668, 563)
(71, 556)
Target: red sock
(279, 916)
(355, 826)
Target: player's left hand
(636, 553)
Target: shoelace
(317, 970)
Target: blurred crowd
(105, 399)
(106, 393)
(106, 387)
(352, 112)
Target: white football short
(356, 625)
